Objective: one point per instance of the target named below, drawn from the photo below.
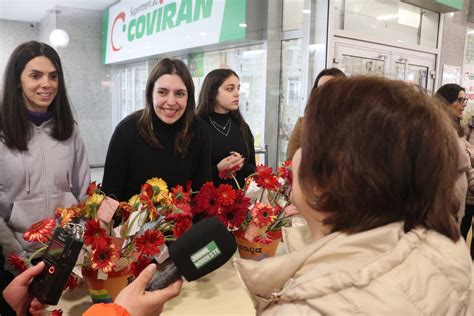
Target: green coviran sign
(456, 4)
(135, 30)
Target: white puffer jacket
(383, 271)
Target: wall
(13, 33)
(87, 79)
(453, 38)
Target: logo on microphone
(205, 255)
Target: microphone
(206, 246)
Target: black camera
(59, 259)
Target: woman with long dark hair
(163, 140)
(231, 138)
(43, 161)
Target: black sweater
(222, 146)
(131, 161)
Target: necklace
(221, 129)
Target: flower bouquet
(256, 212)
(120, 238)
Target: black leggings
(466, 224)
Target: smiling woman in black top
(163, 140)
(231, 138)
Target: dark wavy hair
(449, 93)
(390, 159)
(335, 72)
(14, 124)
(207, 101)
(168, 66)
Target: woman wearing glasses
(455, 97)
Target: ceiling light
(58, 38)
(387, 17)
(305, 11)
(244, 25)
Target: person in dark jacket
(231, 138)
(163, 140)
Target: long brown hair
(389, 159)
(168, 66)
(14, 124)
(207, 101)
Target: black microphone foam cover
(206, 246)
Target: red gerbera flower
(242, 201)
(104, 258)
(179, 195)
(149, 243)
(263, 214)
(92, 188)
(40, 231)
(263, 239)
(184, 208)
(17, 262)
(124, 210)
(137, 267)
(181, 226)
(152, 212)
(284, 171)
(147, 189)
(232, 216)
(265, 178)
(228, 173)
(205, 200)
(225, 194)
(72, 282)
(95, 235)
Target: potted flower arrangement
(256, 212)
(120, 238)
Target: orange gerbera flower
(263, 214)
(104, 258)
(40, 231)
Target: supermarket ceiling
(36, 10)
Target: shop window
(389, 19)
(291, 101)
(247, 63)
(132, 82)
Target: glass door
(414, 69)
(361, 58)
(357, 60)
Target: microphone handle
(167, 273)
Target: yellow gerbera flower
(95, 199)
(160, 189)
(134, 202)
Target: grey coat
(33, 183)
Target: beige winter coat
(383, 271)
